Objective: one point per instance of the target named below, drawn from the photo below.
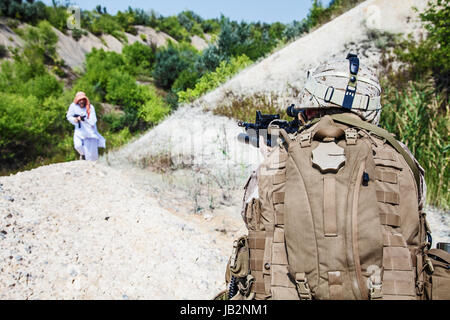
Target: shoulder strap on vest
(384, 134)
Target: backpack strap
(383, 134)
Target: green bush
(138, 57)
(104, 23)
(211, 26)
(40, 44)
(17, 77)
(433, 52)
(237, 39)
(186, 79)
(78, 33)
(126, 20)
(170, 62)
(154, 109)
(209, 59)
(28, 128)
(122, 89)
(42, 87)
(57, 15)
(213, 79)
(99, 65)
(113, 121)
(28, 11)
(172, 26)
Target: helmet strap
(350, 91)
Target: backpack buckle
(305, 139)
(429, 265)
(375, 292)
(351, 135)
(375, 287)
(233, 258)
(303, 289)
(327, 97)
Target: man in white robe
(86, 138)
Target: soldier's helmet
(343, 83)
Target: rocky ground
(83, 230)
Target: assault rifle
(82, 119)
(253, 131)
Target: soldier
(335, 211)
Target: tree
(169, 64)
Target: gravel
(85, 232)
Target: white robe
(86, 138)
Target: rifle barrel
(247, 139)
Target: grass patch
(419, 117)
(244, 107)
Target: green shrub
(99, 65)
(121, 89)
(172, 26)
(40, 44)
(237, 39)
(120, 35)
(154, 109)
(29, 11)
(27, 128)
(12, 23)
(104, 23)
(170, 62)
(21, 78)
(78, 33)
(57, 15)
(197, 30)
(186, 79)
(213, 79)
(433, 52)
(209, 59)
(113, 121)
(172, 100)
(41, 87)
(126, 20)
(211, 26)
(138, 57)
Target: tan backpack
(339, 216)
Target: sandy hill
(81, 230)
(284, 72)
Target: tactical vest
(337, 217)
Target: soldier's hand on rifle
(78, 119)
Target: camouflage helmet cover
(326, 87)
